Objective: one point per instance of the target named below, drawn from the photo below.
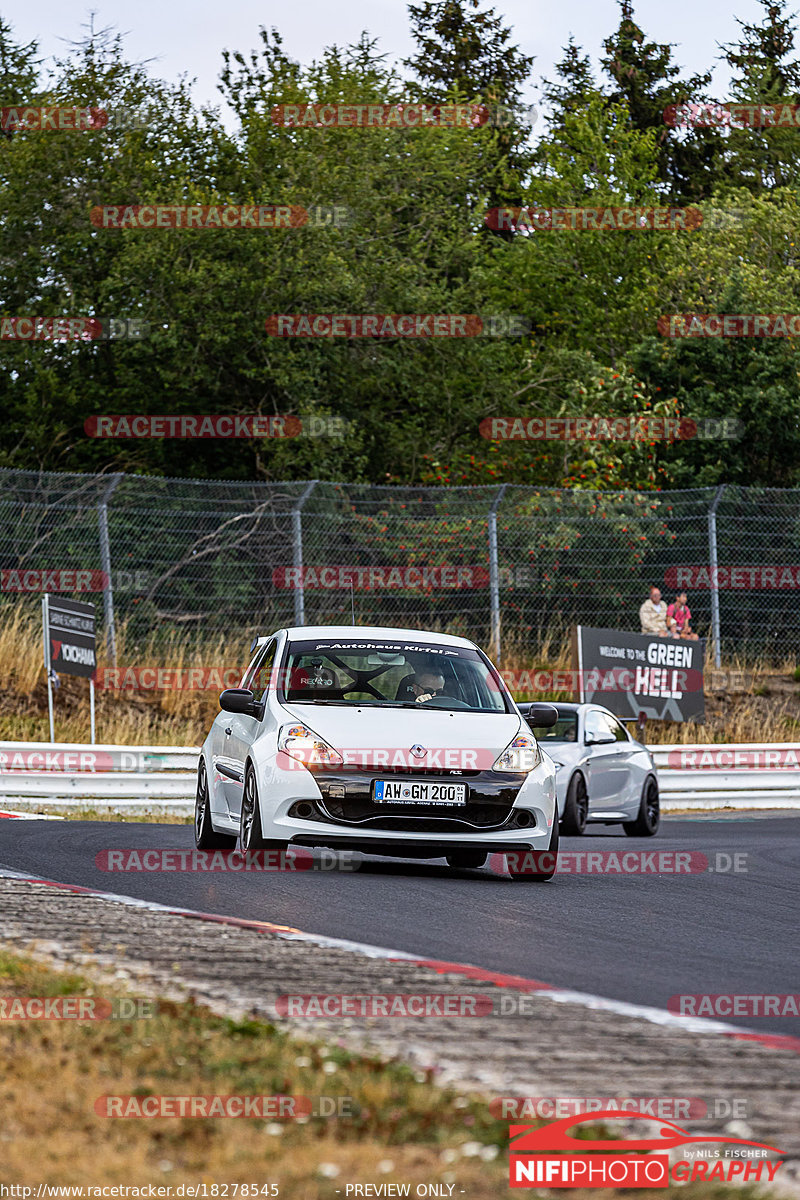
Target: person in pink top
(681, 614)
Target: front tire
(250, 835)
(205, 835)
(649, 816)
(576, 807)
(539, 876)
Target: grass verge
(393, 1124)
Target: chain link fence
(493, 563)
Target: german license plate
(419, 791)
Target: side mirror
(544, 716)
(239, 700)
(599, 739)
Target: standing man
(653, 615)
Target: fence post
(105, 566)
(712, 555)
(494, 576)
(297, 549)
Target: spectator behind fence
(653, 616)
(681, 614)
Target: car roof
(307, 632)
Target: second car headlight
(520, 755)
(300, 742)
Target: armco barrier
(151, 778)
(61, 757)
(125, 779)
(733, 775)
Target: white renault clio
(387, 741)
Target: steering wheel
(444, 702)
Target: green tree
(648, 82)
(765, 73)
(465, 52)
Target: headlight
(522, 754)
(300, 742)
(557, 765)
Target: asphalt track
(641, 938)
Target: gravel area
(543, 1048)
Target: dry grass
(54, 1071)
(756, 702)
(402, 1127)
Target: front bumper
(336, 808)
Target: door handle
(229, 731)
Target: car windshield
(564, 730)
(391, 674)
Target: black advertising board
(70, 633)
(633, 673)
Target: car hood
(398, 729)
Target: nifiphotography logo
(538, 1158)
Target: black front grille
(409, 816)
(347, 797)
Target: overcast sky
(189, 38)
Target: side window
(617, 729)
(594, 724)
(260, 670)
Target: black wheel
(205, 835)
(523, 859)
(576, 807)
(250, 835)
(466, 859)
(649, 818)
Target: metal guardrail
(131, 778)
(60, 758)
(735, 775)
